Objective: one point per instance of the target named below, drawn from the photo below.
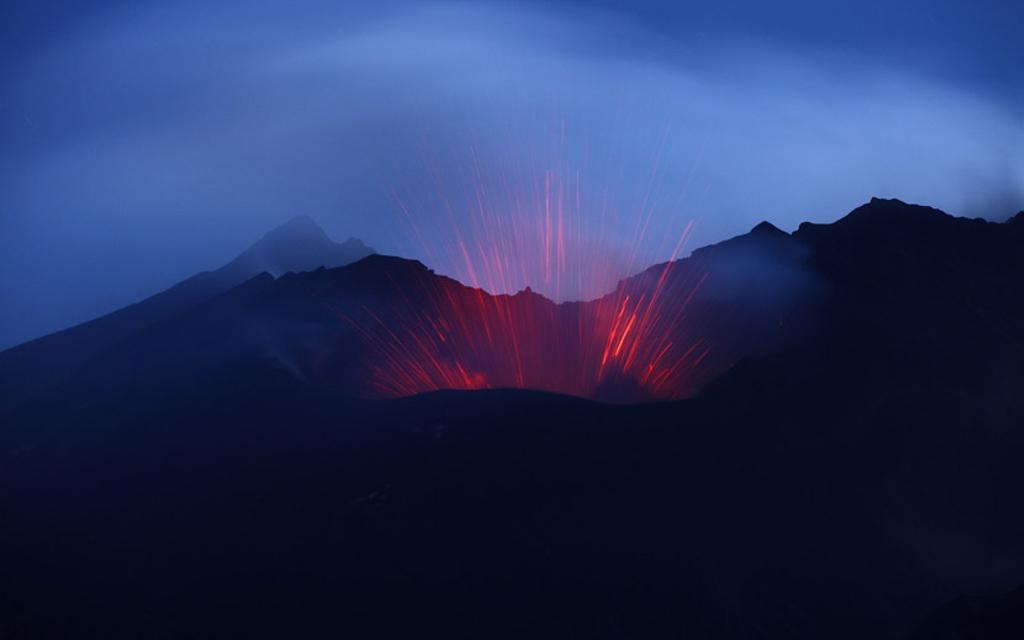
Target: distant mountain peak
(892, 210)
(300, 244)
(301, 228)
(878, 216)
(766, 228)
(297, 245)
(378, 261)
(356, 243)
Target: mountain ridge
(31, 366)
(766, 265)
(855, 468)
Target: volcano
(387, 327)
(837, 453)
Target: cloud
(173, 136)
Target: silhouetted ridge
(854, 464)
(890, 211)
(991, 617)
(297, 245)
(396, 270)
(764, 242)
(383, 270)
(881, 216)
(382, 261)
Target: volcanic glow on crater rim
(633, 343)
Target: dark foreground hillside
(845, 484)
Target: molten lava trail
(429, 333)
(512, 230)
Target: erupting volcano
(548, 301)
(435, 334)
(638, 341)
(658, 335)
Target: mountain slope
(992, 617)
(388, 327)
(842, 483)
(297, 245)
(885, 278)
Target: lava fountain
(429, 332)
(631, 340)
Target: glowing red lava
(430, 332)
(547, 232)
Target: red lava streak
(553, 232)
(430, 332)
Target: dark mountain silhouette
(992, 617)
(297, 245)
(998, 616)
(386, 326)
(847, 468)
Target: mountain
(991, 617)
(386, 327)
(850, 467)
(297, 245)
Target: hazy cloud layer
(149, 144)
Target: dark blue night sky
(143, 142)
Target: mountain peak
(892, 210)
(301, 228)
(766, 228)
(300, 244)
(879, 215)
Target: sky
(142, 142)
